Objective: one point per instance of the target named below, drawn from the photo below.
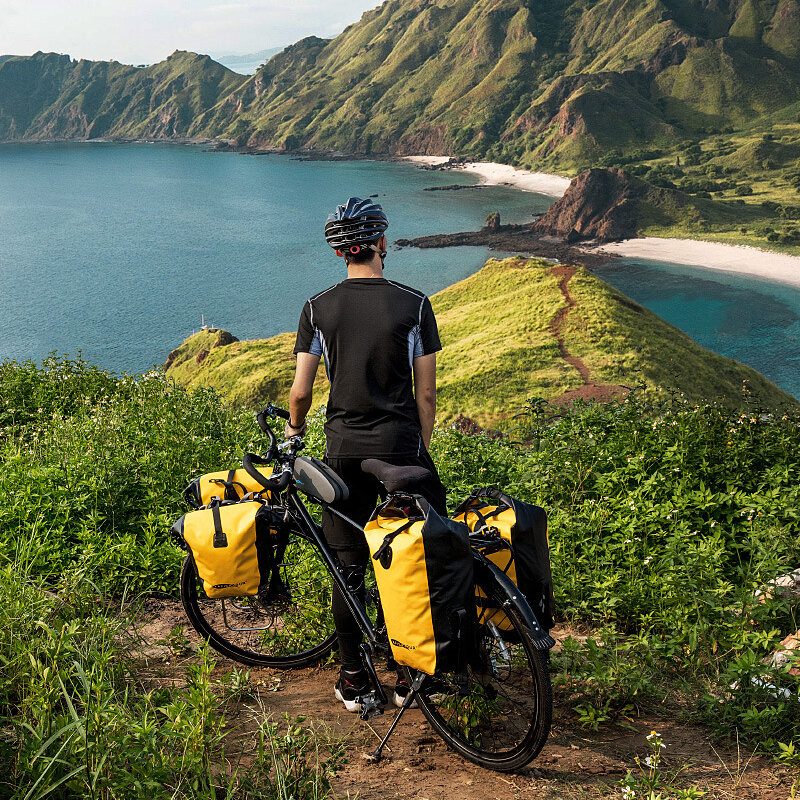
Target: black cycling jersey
(369, 331)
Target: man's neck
(367, 269)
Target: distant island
(700, 99)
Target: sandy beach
(711, 255)
(504, 175)
(692, 252)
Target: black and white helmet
(354, 226)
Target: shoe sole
(399, 699)
(352, 706)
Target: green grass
(249, 372)
(623, 343)
(665, 519)
(499, 350)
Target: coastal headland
(601, 214)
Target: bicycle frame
(311, 528)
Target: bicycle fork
(416, 685)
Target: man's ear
(383, 245)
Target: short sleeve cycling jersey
(369, 331)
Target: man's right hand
(289, 431)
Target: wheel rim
(293, 623)
(494, 710)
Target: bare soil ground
(589, 390)
(575, 763)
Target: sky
(145, 31)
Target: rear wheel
(498, 714)
(291, 631)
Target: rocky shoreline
(522, 239)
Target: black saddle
(394, 478)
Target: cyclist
(379, 340)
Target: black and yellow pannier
(423, 568)
(231, 485)
(236, 548)
(526, 559)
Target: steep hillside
(556, 82)
(515, 330)
(50, 96)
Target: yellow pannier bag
(231, 546)
(526, 559)
(231, 485)
(423, 569)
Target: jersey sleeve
(428, 330)
(307, 338)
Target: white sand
(709, 255)
(712, 255)
(504, 175)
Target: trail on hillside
(589, 390)
(576, 762)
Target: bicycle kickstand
(416, 685)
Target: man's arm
(425, 394)
(301, 392)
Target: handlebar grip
(284, 480)
(275, 411)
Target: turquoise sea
(115, 251)
(752, 320)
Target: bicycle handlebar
(271, 411)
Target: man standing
(379, 342)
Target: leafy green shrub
(665, 518)
(78, 723)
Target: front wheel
(294, 630)
(498, 714)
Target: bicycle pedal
(370, 706)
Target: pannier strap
(389, 538)
(491, 492)
(230, 486)
(249, 460)
(220, 539)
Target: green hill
(50, 96)
(558, 82)
(507, 333)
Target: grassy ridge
(500, 350)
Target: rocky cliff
(608, 205)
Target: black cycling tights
(350, 546)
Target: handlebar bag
(231, 485)
(526, 560)
(423, 569)
(236, 548)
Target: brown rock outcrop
(600, 204)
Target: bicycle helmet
(355, 226)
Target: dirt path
(589, 390)
(574, 764)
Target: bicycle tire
(452, 713)
(209, 617)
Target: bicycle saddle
(395, 478)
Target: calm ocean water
(116, 251)
(749, 319)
